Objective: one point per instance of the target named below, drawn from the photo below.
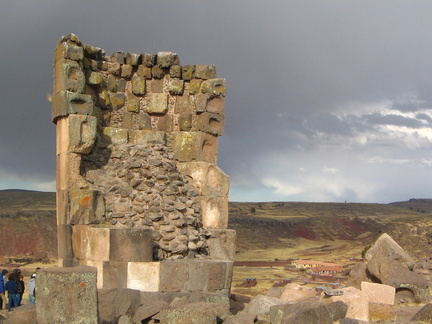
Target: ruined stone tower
(139, 193)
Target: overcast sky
(326, 100)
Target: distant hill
(28, 223)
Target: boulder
(261, 304)
(193, 313)
(338, 310)
(424, 314)
(293, 292)
(241, 318)
(357, 275)
(417, 283)
(25, 314)
(303, 312)
(148, 310)
(385, 255)
(113, 303)
(356, 300)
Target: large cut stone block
(214, 87)
(111, 274)
(205, 71)
(82, 133)
(385, 255)
(207, 178)
(210, 103)
(67, 295)
(116, 136)
(357, 301)
(144, 276)
(211, 123)
(145, 136)
(214, 211)
(85, 207)
(100, 243)
(222, 244)
(181, 276)
(157, 103)
(70, 51)
(378, 293)
(65, 103)
(68, 76)
(195, 146)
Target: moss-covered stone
(138, 85)
(188, 72)
(176, 86)
(157, 103)
(214, 86)
(117, 100)
(195, 86)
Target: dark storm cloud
(293, 70)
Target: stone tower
(139, 192)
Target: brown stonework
(139, 193)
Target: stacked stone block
(137, 138)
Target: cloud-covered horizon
(326, 101)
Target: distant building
(327, 269)
(303, 264)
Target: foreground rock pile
(378, 285)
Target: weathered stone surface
(103, 99)
(176, 86)
(65, 103)
(195, 313)
(242, 317)
(68, 50)
(82, 133)
(115, 136)
(149, 309)
(120, 244)
(338, 310)
(132, 58)
(211, 123)
(403, 278)
(113, 303)
(94, 78)
(138, 85)
(214, 211)
(377, 293)
(357, 301)
(86, 207)
(25, 314)
(301, 312)
(424, 314)
(185, 122)
(69, 76)
(117, 100)
(188, 72)
(145, 136)
(149, 59)
(67, 295)
(357, 275)
(195, 86)
(205, 71)
(175, 71)
(144, 276)
(222, 244)
(261, 304)
(144, 121)
(293, 292)
(194, 146)
(384, 255)
(144, 71)
(157, 103)
(183, 105)
(208, 179)
(126, 71)
(165, 123)
(214, 86)
(165, 59)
